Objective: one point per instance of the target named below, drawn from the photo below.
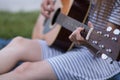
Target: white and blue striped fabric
(79, 63)
(115, 16)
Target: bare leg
(19, 49)
(31, 71)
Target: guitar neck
(70, 23)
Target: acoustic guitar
(55, 34)
(104, 43)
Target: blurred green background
(14, 24)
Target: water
(20, 5)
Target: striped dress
(79, 63)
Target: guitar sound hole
(55, 16)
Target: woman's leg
(31, 71)
(19, 49)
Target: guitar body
(56, 35)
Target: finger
(48, 5)
(51, 7)
(72, 37)
(78, 35)
(45, 5)
(75, 36)
(90, 24)
(80, 29)
(43, 10)
(45, 13)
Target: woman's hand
(76, 37)
(47, 7)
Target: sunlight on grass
(14, 24)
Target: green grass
(17, 24)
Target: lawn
(14, 24)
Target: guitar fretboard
(69, 23)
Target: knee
(23, 68)
(16, 42)
(18, 39)
(23, 41)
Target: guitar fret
(69, 23)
